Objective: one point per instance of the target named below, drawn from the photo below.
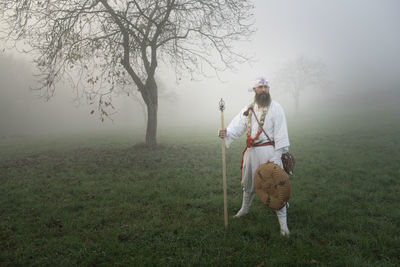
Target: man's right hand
(222, 133)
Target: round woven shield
(272, 185)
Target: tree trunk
(151, 131)
(152, 107)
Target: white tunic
(276, 128)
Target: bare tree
(100, 46)
(300, 74)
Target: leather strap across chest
(250, 142)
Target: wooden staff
(221, 108)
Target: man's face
(262, 89)
(262, 96)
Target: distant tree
(104, 45)
(299, 75)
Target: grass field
(100, 200)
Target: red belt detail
(250, 143)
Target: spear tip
(221, 105)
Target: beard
(263, 99)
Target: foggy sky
(357, 40)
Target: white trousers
(253, 158)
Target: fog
(356, 40)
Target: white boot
(246, 203)
(282, 221)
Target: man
(259, 149)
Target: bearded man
(262, 116)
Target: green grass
(69, 201)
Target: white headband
(259, 82)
